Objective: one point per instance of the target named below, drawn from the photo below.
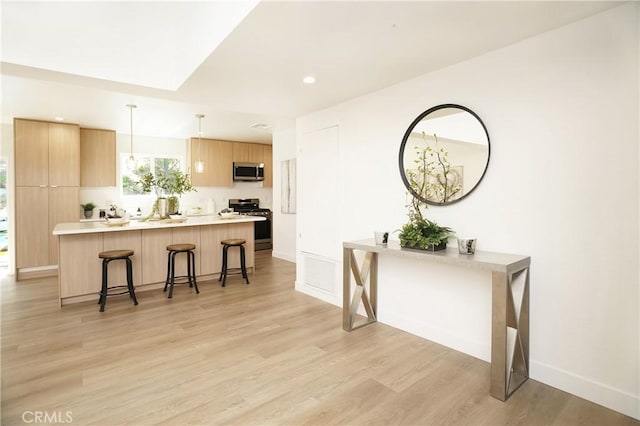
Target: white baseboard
(462, 344)
(325, 296)
(599, 393)
(284, 256)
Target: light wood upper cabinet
(64, 154)
(218, 162)
(222, 163)
(267, 159)
(97, 157)
(245, 152)
(31, 152)
(218, 157)
(46, 154)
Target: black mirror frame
(404, 143)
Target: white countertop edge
(96, 227)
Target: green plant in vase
(176, 184)
(168, 187)
(88, 209)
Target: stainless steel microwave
(248, 171)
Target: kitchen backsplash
(104, 197)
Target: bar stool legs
(174, 249)
(107, 257)
(225, 256)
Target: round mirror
(444, 154)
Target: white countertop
(94, 227)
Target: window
(159, 166)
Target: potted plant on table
(424, 234)
(88, 209)
(420, 232)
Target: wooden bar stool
(233, 242)
(190, 278)
(107, 257)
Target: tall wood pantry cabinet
(47, 177)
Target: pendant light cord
(199, 163)
(131, 162)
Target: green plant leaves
(422, 233)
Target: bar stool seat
(190, 278)
(105, 291)
(233, 242)
(181, 247)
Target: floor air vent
(319, 272)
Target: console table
(509, 306)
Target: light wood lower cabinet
(82, 272)
(127, 240)
(186, 235)
(211, 250)
(80, 268)
(39, 210)
(154, 254)
(32, 227)
(64, 207)
(247, 233)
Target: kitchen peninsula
(79, 269)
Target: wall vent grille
(320, 273)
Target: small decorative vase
(88, 214)
(173, 205)
(162, 208)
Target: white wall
(562, 186)
(284, 225)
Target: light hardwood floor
(255, 354)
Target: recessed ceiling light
(309, 79)
(59, 118)
(261, 126)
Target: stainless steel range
(251, 207)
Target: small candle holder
(466, 245)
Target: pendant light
(199, 166)
(131, 161)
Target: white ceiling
(85, 62)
